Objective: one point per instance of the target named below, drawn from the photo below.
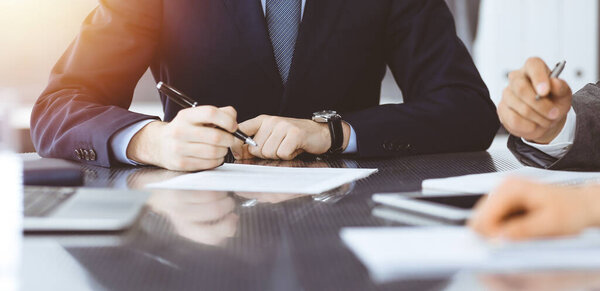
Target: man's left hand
(281, 138)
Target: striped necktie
(283, 19)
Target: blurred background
(501, 34)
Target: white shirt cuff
(352, 147)
(122, 138)
(559, 147)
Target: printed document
(251, 178)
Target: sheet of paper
(391, 253)
(11, 217)
(251, 178)
(484, 183)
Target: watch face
(324, 116)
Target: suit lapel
(249, 18)
(320, 17)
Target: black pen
(554, 74)
(187, 102)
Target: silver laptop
(81, 209)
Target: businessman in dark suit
(270, 64)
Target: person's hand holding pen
(188, 143)
(524, 114)
(198, 138)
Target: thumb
(251, 127)
(240, 151)
(230, 111)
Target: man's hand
(188, 143)
(539, 121)
(520, 210)
(281, 138)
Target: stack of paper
(484, 183)
(250, 178)
(395, 253)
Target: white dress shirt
(122, 138)
(559, 147)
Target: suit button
(388, 146)
(86, 155)
(93, 155)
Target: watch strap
(337, 135)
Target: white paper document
(484, 183)
(392, 253)
(251, 178)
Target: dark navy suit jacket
(219, 52)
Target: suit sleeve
(585, 152)
(446, 106)
(91, 86)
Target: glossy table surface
(200, 240)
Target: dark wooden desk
(199, 240)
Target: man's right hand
(188, 143)
(538, 121)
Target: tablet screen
(462, 202)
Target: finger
(251, 127)
(491, 214)
(503, 110)
(271, 145)
(246, 153)
(533, 225)
(516, 104)
(209, 115)
(237, 149)
(518, 125)
(230, 111)
(202, 151)
(261, 136)
(522, 89)
(190, 164)
(207, 135)
(561, 96)
(538, 72)
(289, 148)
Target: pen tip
(251, 142)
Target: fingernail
(236, 156)
(554, 113)
(542, 88)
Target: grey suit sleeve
(585, 152)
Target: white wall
(512, 30)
